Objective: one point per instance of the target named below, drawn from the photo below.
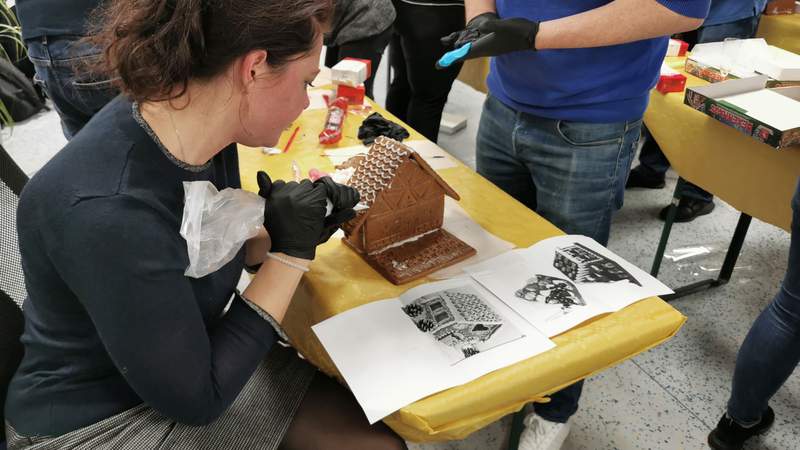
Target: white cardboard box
(349, 72)
(769, 115)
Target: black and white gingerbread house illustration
(458, 319)
(583, 265)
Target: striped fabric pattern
(258, 418)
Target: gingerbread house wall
(411, 206)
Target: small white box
(349, 72)
(452, 123)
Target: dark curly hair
(151, 47)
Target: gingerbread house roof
(378, 168)
(376, 171)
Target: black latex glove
(492, 36)
(343, 198)
(470, 33)
(294, 215)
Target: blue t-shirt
(726, 11)
(604, 84)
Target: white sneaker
(540, 434)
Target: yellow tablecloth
(781, 31)
(752, 177)
(340, 280)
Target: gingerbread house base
(418, 258)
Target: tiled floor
(667, 398)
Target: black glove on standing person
(294, 214)
(492, 36)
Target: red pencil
(291, 139)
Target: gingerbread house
(400, 232)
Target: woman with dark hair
(121, 349)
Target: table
(340, 280)
(754, 178)
(781, 31)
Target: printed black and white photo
(563, 281)
(551, 290)
(462, 320)
(584, 265)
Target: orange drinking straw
(291, 139)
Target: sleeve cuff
(689, 8)
(252, 269)
(266, 316)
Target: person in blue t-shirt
(568, 86)
(726, 19)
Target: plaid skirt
(258, 418)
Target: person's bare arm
(618, 22)
(273, 286)
(474, 8)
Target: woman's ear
(254, 65)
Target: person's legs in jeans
(767, 357)
(771, 350)
(419, 29)
(60, 64)
(571, 173)
(370, 48)
(651, 157)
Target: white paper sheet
(388, 362)
(437, 158)
(316, 99)
(461, 225)
(592, 281)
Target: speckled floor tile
(493, 437)
(624, 408)
(697, 365)
(33, 142)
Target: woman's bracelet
(287, 262)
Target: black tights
(419, 91)
(370, 48)
(330, 419)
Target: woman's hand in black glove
(294, 215)
(343, 198)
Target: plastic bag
(705, 261)
(216, 224)
(376, 125)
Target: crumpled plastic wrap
(376, 125)
(216, 224)
(705, 261)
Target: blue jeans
(771, 350)
(571, 173)
(59, 63)
(651, 156)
